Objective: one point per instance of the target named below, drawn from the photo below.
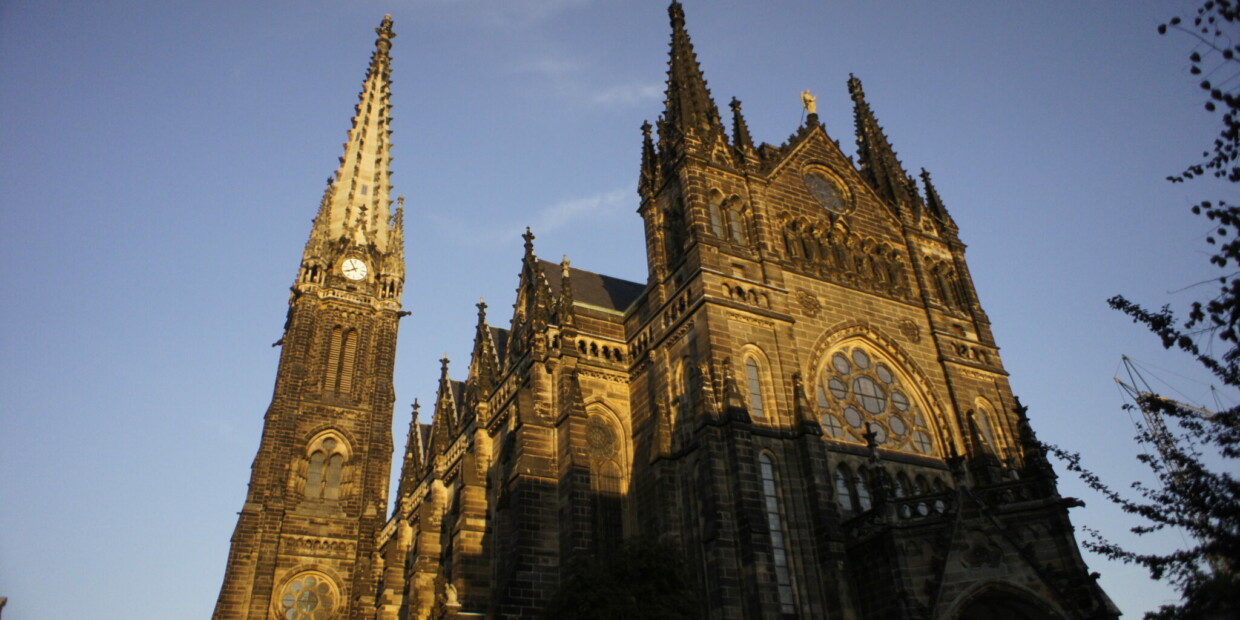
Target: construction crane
(1139, 390)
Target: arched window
(843, 489)
(863, 492)
(903, 486)
(680, 385)
(341, 356)
(983, 421)
(326, 458)
(736, 221)
(859, 391)
(715, 206)
(607, 458)
(754, 379)
(775, 521)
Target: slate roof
(593, 288)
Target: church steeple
(689, 109)
(326, 448)
(877, 160)
(357, 203)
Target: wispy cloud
(513, 14)
(561, 214)
(627, 94)
(548, 219)
(573, 78)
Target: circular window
(308, 597)
(825, 190)
(871, 394)
(884, 374)
(841, 364)
(853, 417)
(600, 436)
(838, 389)
(861, 359)
(899, 401)
(897, 425)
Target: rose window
(857, 393)
(308, 597)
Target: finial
(646, 128)
(482, 306)
(677, 13)
(400, 202)
(529, 240)
(809, 102)
(416, 407)
(443, 364)
(564, 264)
(385, 28)
(854, 87)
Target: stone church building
(804, 398)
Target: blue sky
(161, 162)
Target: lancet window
(983, 420)
(727, 218)
(326, 459)
(607, 458)
(773, 504)
(860, 392)
(341, 359)
(754, 380)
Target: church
(804, 400)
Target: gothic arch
(324, 468)
(939, 422)
(609, 463)
(761, 370)
(985, 418)
(1002, 599)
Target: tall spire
(741, 139)
(484, 363)
(689, 107)
(412, 465)
(935, 204)
(357, 202)
(879, 164)
(651, 176)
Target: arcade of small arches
(838, 254)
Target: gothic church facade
(804, 398)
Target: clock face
(354, 269)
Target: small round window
(826, 191)
(308, 597)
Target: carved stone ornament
(910, 330)
(601, 437)
(809, 303)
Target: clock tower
(303, 547)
